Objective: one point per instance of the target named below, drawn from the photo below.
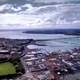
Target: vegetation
(7, 68)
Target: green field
(7, 68)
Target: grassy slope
(7, 68)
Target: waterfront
(53, 42)
(39, 65)
(44, 56)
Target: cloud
(17, 2)
(41, 16)
(57, 1)
(38, 2)
(3, 0)
(38, 16)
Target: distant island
(54, 31)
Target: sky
(31, 14)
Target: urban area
(19, 62)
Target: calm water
(57, 42)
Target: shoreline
(54, 65)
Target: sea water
(52, 42)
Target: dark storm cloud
(3, 1)
(37, 2)
(19, 2)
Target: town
(31, 64)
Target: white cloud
(38, 17)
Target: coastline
(52, 63)
(54, 31)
